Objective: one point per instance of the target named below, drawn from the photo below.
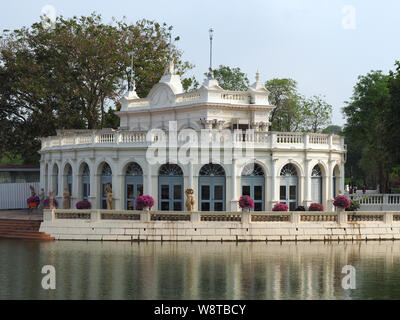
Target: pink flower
(342, 202)
(316, 207)
(280, 207)
(246, 202)
(144, 201)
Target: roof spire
(211, 72)
(257, 76)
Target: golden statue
(189, 199)
(109, 197)
(67, 199)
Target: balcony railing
(267, 140)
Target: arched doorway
(105, 181)
(288, 186)
(85, 182)
(316, 185)
(212, 188)
(253, 184)
(170, 188)
(133, 185)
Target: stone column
(234, 199)
(274, 182)
(329, 182)
(307, 183)
(95, 192)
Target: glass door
(212, 193)
(288, 192)
(134, 189)
(171, 194)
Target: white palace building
(241, 155)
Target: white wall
(14, 195)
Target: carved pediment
(161, 96)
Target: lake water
(123, 270)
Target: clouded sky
(323, 44)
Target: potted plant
(280, 207)
(83, 205)
(316, 207)
(246, 203)
(341, 202)
(144, 203)
(33, 202)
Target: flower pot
(146, 208)
(245, 209)
(32, 205)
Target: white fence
(377, 202)
(14, 195)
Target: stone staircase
(22, 229)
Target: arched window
(170, 170)
(316, 185)
(212, 170)
(288, 186)
(288, 171)
(105, 182)
(253, 183)
(212, 188)
(170, 187)
(133, 185)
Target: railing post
(95, 215)
(195, 217)
(295, 217)
(145, 216)
(342, 216)
(246, 217)
(388, 217)
(48, 215)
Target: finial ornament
(258, 76)
(131, 82)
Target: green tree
(289, 111)
(318, 114)
(231, 78)
(369, 154)
(67, 77)
(333, 129)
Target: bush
(316, 207)
(300, 208)
(84, 204)
(46, 203)
(246, 202)
(280, 207)
(341, 202)
(354, 206)
(144, 201)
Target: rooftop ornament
(211, 72)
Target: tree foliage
(231, 78)
(67, 77)
(369, 153)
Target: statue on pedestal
(67, 199)
(109, 197)
(51, 200)
(189, 199)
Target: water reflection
(111, 270)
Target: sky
(322, 44)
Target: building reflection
(122, 270)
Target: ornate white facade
(295, 168)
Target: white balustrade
(290, 138)
(318, 139)
(188, 97)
